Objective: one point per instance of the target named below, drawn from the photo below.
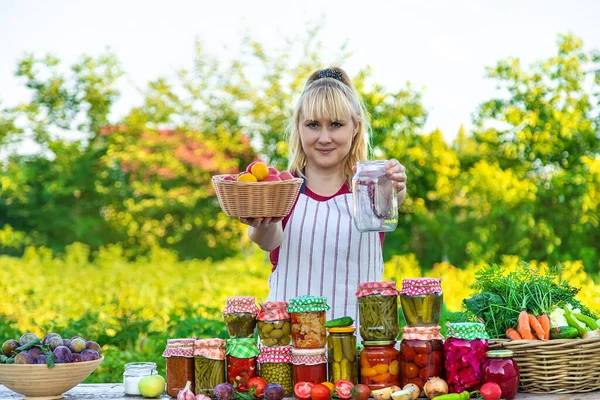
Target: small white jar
(134, 372)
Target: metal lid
(499, 353)
(378, 342)
(345, 329)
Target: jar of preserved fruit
(374, 198)
(274, 324)
(421, 300)
(465, 351)
(240, 316)
(134, 373)
(308, 321)
(309, 365)
(276, 367)
(500, 367)
(378, 310)
(241, 362)
(421, 355)
(379, 367)
(179, 357)
(341, 354)
(209, 357)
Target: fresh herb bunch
(500, 297)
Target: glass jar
(308, 321)
(241, 362)
(276, 367)
(374, 197)
(421, 300)
(378, 310)
(500, 367)
(421, 355)
(133, 373)
(209, 357)
(274, 324)
(379, 367)
(465, 351)
(240, 316)
(341, 354)
(309, 365)
(179, 358)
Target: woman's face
(325, 142)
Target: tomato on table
(259, 384)
(361, 392)
(343, 388)
(320, 392)
(302, 390)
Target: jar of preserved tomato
(374, 198)
(378, 310)
(309, 365)
(241, 362)
(274, 324)
(465, 351)
(240, 316)
(276, 367)
(379, 366)
(179, 357)
(421, 300)
(308, 321)
(209, 357)
(341, 354)
(421, 355)
(500, 367)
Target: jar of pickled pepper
(179, 358)
(240, 316)
(241, 362)
(421, 355)
(341, 354)
(274, 324)
(378, 310)
(465, 351)
(421, 300)
(209, 359)
(309, 365)
(276, 367)
(379, 367)
(308, 321)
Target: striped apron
(323, 254)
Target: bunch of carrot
(530, 327)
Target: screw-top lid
(467, 330)
(499, 353)
(308, 304)
(242, 347)
(344, 329)
(420, 286)
(367, 343)
(387, 288)
(275, 354)
(241, 304)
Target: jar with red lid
(276, 367)
(309, 365)
(240, 316)
(378, 310)
(379, 367)
(209, 359)
(501, 368)
(274, 324)
(421, 355)
(308, 321)
(241, 362)
(179, 359)
(421, 300)
(465, 351)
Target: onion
(435, 387)
(415, 390)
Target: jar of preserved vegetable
(378, 310)
(274, 324)
(374, 198)
(308, 321)
(341, 354)
(465, 351)
(179, 357)
(500, 367)
(421, 300)
(276, 367)
(379, 367)
(309, 365)
(209, 357)
(240, 316)
(421, 355)
(241, 362)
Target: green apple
(151, 386)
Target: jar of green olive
(274, 324)
(275, 367)
(240, 316)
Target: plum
(90, 355)
(53, 340)
(41, 359)
(66, 342)
(76, 357)
(35, 352)
(24, 358)
(26, 338)
(77, 345)
(223, 391)
(9, 346)
(62, 355)
(274, 391)
(93, 346)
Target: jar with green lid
(276, 367)
(241, 362)
(308, 321)
(341, 354)
(209, 358)
(465, 351)
(274, 324)
(240, 316)
(378, 310)
(421, 300)
(379, 366)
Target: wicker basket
(555, 366)
(256, 199)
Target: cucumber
(339, 322)
(564, 332)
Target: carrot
(545, 322)
(523, 326)
(513, 334)
(536, 327)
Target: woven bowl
(256, 199)
(42, 383)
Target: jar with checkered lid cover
(276, 367)
(378, 310)
(240, 316)
(308, 321)
(274, 324)
(421, 300)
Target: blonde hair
(336, 100)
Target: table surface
(114, 391)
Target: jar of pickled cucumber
(274, 324)
(421, 300)
(341, 354)
(308, 321)
(465, 351)
(421, 355)
(241, 362)
(276, 367)
(209, 357)
(379, 367)
(378, 310)
(309, 365)
(179, 359)
(240, 316)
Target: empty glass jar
(375, 198)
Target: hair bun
(330, 73)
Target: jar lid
(273, 311)
(499, 353)
(242, 347)
(308, 304)
(345, 329)
(418, 286)
(378, 342)
(210, 348)
(309, 356)
(241, 304)
(281, 354)
(179, 348)
(421, 333)
(467, 330)
(383, 288)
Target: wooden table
(114, 391)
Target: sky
(441, 47)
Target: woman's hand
(261, 223)
(397, 173)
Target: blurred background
(115, 115)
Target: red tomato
(343, 388)
(421, 360)
(407, 353)
(436, 358)
(302, 390)
(429, 371)
(417, 381)
(411, 371)
(361, 392)
(320, 392)
(259, 384)
(423, 348)
(491, 391)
